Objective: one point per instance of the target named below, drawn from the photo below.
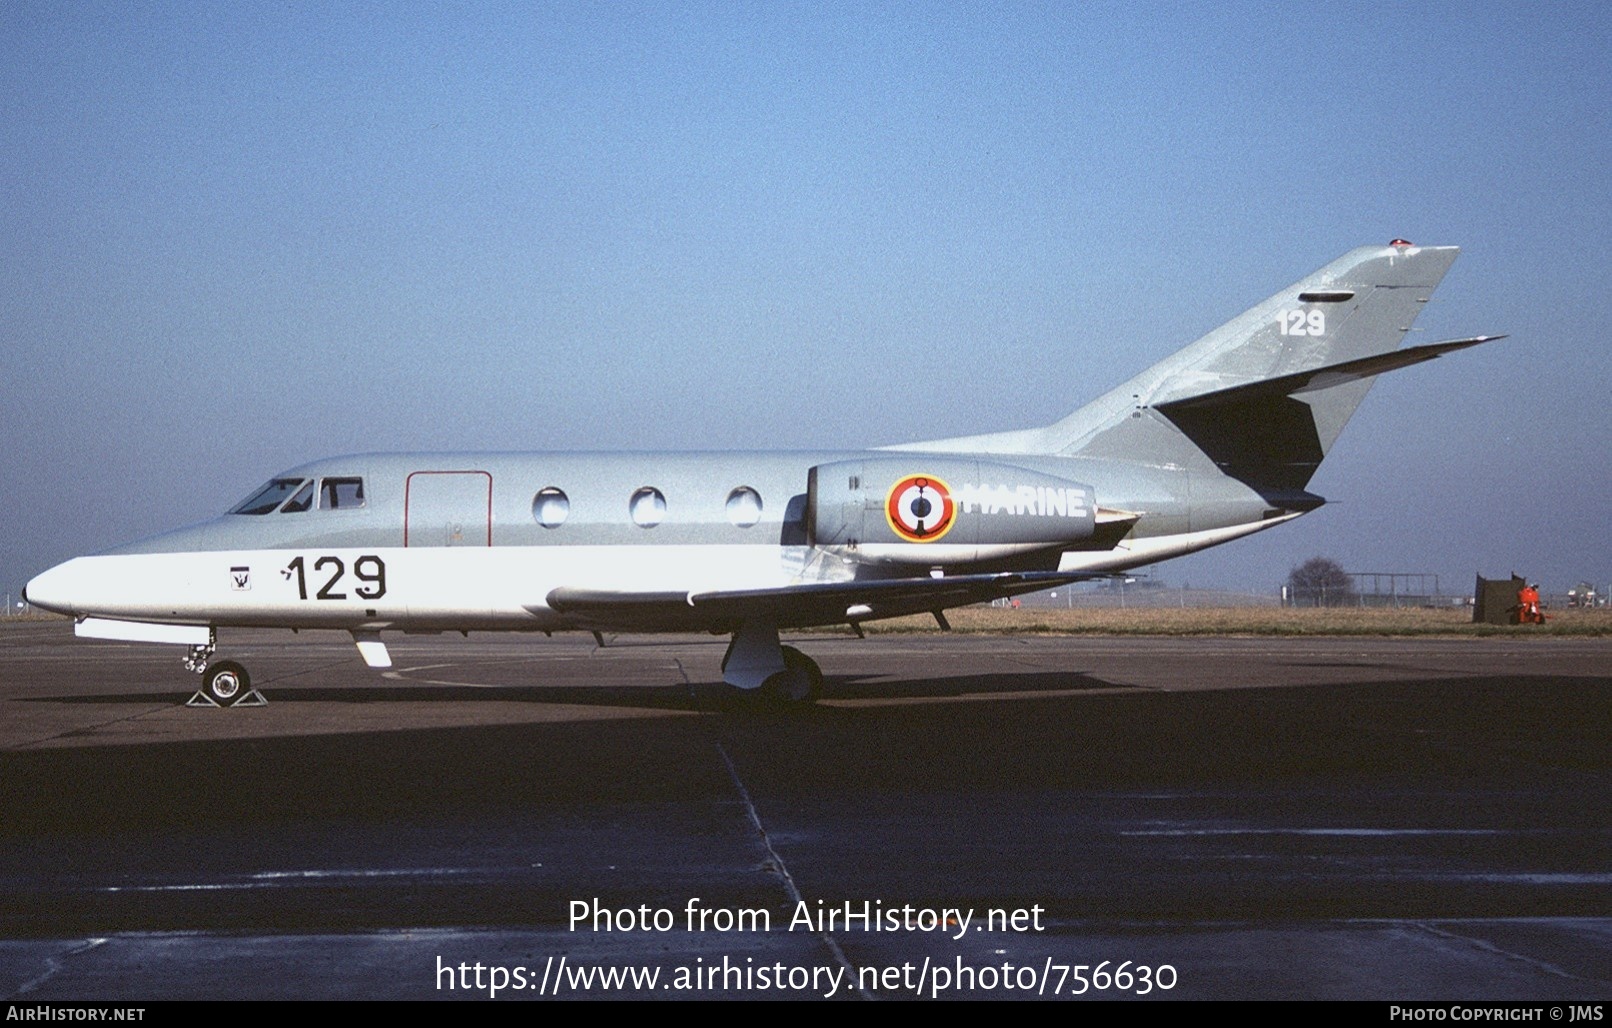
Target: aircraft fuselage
(479, 541)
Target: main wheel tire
(226, 683)
(810, 689)
(786, 687)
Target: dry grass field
(1246, 621)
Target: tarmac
(961, 816)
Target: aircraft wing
(795, 606)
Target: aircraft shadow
(678, 696)
(881, 687)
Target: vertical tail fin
(1359, 306)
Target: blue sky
(237, 237)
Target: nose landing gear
(227, 684)
(224, 684)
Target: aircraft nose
(51, 590)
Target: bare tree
(1320, 582)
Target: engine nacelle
(939, 511)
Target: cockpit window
(300, 502)
(341, 493)
(269, 498)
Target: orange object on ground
(1528, 612)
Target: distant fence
(1114, 597)
(1375, 589)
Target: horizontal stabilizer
(1265, 433)
(1321, 378)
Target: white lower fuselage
(451, 588)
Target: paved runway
(1213, 818)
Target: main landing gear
(224, 684)
(782, 674)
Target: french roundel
(920, 508)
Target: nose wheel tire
(226, 683)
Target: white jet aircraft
(1211, 444)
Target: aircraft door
(448, 508)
